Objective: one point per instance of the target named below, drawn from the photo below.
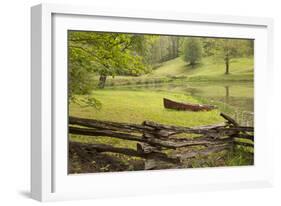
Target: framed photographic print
(136, 102)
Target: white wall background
(15, 100)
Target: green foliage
(240, 156)
(209, 45)
(227, 49)
(192, 50)
(163, 48)
(106, 54)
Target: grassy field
(241, 69)
(137, 106)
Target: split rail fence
(153, 140)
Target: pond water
(235, 98)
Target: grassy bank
(176, 70)
(209, 68)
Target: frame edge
(36, 137)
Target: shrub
(192, 50)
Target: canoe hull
(169, 104)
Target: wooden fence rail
(153, 140)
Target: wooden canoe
(169, 104)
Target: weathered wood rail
(153, 140)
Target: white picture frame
(49, 178)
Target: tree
(162, 48)
(107, 54)
(174, 46)
(208, 46)
(228, 49)
(192, 50)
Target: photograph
(153, 101)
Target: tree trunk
(102, 81)
(226, 64)
(227, 94)
(174, 47)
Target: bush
(192, 50)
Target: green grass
(173, 67)
(176, 70)
(137, 106)
(208, 69)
